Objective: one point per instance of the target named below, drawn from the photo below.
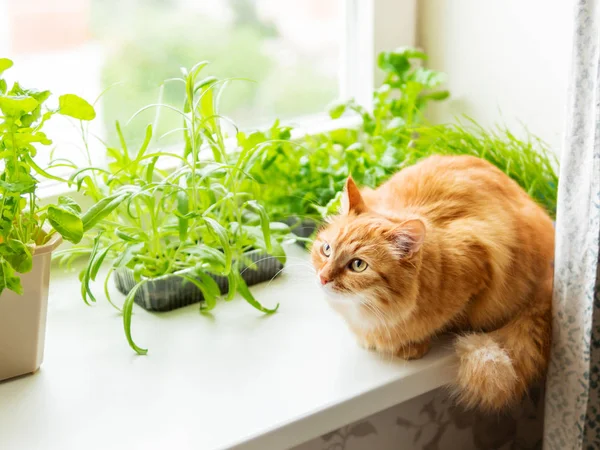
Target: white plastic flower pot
(23, 317)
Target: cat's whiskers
(302, 261)
(287, 266)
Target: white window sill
(236, 380)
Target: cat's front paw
(414, 350)
(376, 342)
(364, 342)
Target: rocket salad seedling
(200, 215)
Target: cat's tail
(496, 368)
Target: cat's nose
(324, 280)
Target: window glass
(287, 54)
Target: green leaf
(207, 106)
(242, 288)
(40, 96)
(217, 230)
(332, 208)
(85, 274)
(183, 209)
(127, 237)
(393, 62)
(124, 154)
(437, 95)
(5, 64)
(96, 264)
(74, 106)
(85, 179)
(428, 78)
(232, 282)
(337, 110)
(101, 209)
(278, 251)
(150, 169)
(20, 187)
(205, 82)
(279, 228)
(396, 124)
(398, 61)
(127, 312)
(264, 222)
(41, 171)
(107, 291)
(128, 254)
(212, 259)
(145, 144)
(68, 224)
(69, 203)
(17, 105)
(197, 68)
(207, 285)
(17, 255)
(8, 279)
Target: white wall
(506, 60)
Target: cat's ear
(408, 237)
(352, 201)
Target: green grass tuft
(528, 161)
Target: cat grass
(527, 161)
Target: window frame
(372, 26)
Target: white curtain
(572, 414)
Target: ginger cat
(449, 244)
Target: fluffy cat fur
(450, 244)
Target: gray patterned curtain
(572, 414)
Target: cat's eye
(326, 249)
(358, 265)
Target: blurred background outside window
(127, 48)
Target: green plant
(310, 175)
(527, 160)
(199, 214)
(402, 97)
(22, 220)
